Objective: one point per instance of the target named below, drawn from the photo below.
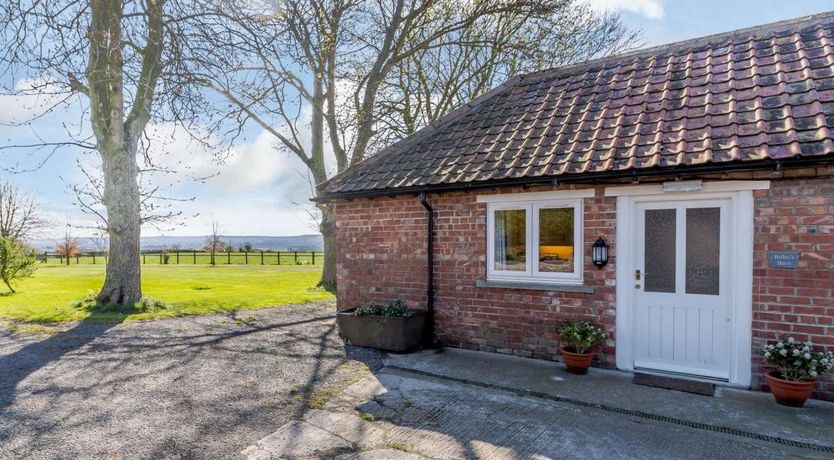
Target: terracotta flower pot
(787, 392)
(578, 363)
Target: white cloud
(652, 9)
(245, 214)
(245, 167)
(256, 188)
(29, 98)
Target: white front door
(682, 274)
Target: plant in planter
(391, 327)
(582, 338)
(797, 368)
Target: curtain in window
(500, 240)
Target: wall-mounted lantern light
(599, 253)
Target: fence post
(229, 257)
(45, 257)
(177, 252)
(279, 257)
(245, 257)
(94, 258)
(160, 257)
(295, 255)
(143, 258)
(262, 257)
(195, 257)
(314, 258)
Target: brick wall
(382, 256)
(381, 251)
(794, 215)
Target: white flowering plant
(797, 361)
(582, 335)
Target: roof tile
(746, 96)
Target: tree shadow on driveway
(35, 355)
(194, 387)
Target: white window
(535, 237)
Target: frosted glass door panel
(703, 250)
(660, 250)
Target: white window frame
(492, 273)
(532, 203)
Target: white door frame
(740, 194)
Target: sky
(259, 190)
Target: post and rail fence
(193, 257)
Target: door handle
(637, 275)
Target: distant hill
(150, 243)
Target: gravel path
(194, 387)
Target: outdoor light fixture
(599, 253)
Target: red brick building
(707, 167)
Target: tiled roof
(750, 96)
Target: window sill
(553, 287)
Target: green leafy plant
(395, 309)
(582, 335)
(148, 304)
(16, 262)
(372, 309)
(144, 305)
(797, 361)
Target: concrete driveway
(458, 404)
(194, 387)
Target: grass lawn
(187, 290)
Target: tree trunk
(9, 285)
(327, 227)
(122, 284)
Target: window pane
(556, 243)
(703, 250)
(660, 250)
(510, 240)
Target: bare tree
(20, 216)
(343, 77)
(156, 209)
(99, 241)
(68, 247)
(435, 80)
(214, 242)
(128, 63)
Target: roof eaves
(596, 177)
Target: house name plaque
(783, 259)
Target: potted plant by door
(797, 368)
(582, 338)
(393, 327)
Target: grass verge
(54, 293)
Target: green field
(186, 290)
